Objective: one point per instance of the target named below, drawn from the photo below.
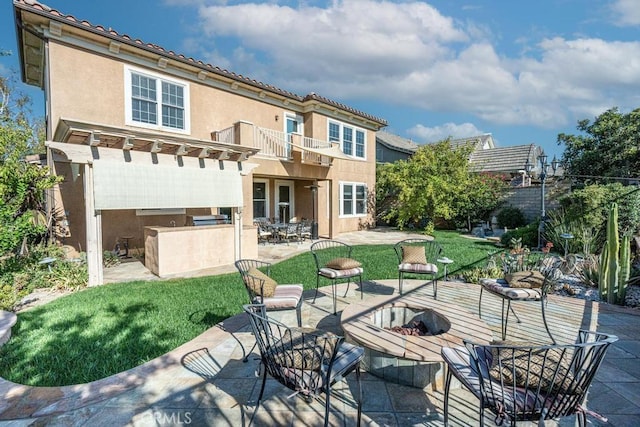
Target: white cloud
(447, 130)
(409, 54)
(626, 12)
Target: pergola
(126, 169)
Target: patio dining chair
(333, 262)
(304, 232)
(264, 231)
(290, 232)
(305, 360)
(418, 256)
(524, 382)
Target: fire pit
(394, 350)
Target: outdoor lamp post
(314, 222)
(544, 170)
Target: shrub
(528, 235)
(21, 275)
(590, 206)
(511, 217)
(586, 239)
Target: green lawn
(101, 331)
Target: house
(151, 142)
(485, 157)
(391, 147)
(479, 142)
(507, 161)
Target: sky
(523, 71)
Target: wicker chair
(525, 382)
(409, 264)
(334, 262)
(308, 361)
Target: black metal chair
(308, 361)
(263, 290)
(418, 256)
(531, 267)
(527, 382)
(334, 262)
(284, 297)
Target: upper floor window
(155, 101)
(352, 140)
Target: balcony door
(293, 125)
(284, 201)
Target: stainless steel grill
(207, 220)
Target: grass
(101, 331)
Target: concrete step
(7, 320)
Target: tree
(435, 183)
(22, 184)
(483, 196)
(609, 147)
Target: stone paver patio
(205, 382)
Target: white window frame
(292, 203)
(128, 72)
(354, 132)
(354, 202)
(298, 119)
(266, 196)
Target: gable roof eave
(43, 11)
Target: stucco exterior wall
(91, 87)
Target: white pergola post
(237, 228)
(93, 220)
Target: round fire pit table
(387, 328)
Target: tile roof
(480, 140)
(396, 142)
(44, 10)
(504, 159)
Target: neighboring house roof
(481, 142)
(505, 159)
(395, 142)
(32, 73)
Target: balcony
(274, 144)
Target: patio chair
(264, 290)
(290, 232)
(527, 279)
(264, 231)
(334, 262)
(304, 232)
(308, 361)
(418, 256)
(524, 382)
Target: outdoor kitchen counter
(174, 250)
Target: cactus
(625, 267)
(615, 261)
(603, 272)
(613, 243)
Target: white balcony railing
(309, 157)
(272, 143)
(228, 135)
(276, 144)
